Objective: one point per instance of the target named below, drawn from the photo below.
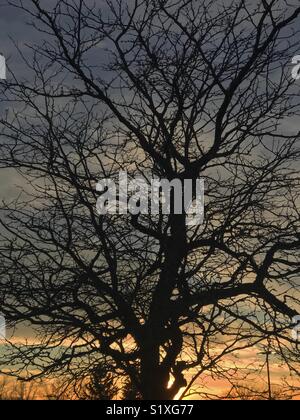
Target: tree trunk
(154, 378)
(154, 374)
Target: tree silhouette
(101, 385)
(176, 90)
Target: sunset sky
(16, 34)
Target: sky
(15, 31)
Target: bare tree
(247, 392)
(173, 89)
(14, 390)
